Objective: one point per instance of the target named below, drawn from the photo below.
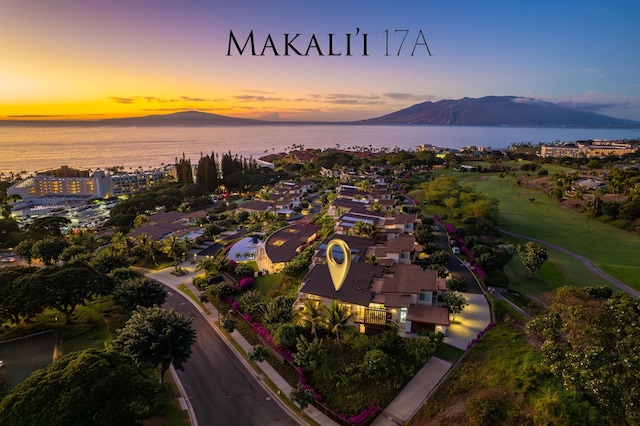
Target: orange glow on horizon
(139, 106)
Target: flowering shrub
(436, 217)
(480, 334)
(358, 419)
(243, 284)
(481, 273)
(364, 415)
(450, 229)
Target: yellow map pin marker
(337, 270)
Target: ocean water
(36, 148)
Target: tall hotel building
(69, 182)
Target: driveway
(473, 319)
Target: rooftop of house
(350, 192)
(355, 288)
(257, 205)
(404, 243)
(428, 314)
(393, 300)
(400, 219)
(410, 279)
(284, 244)
(166, 217)
(348, 204)
(358, 247)
(157, 231)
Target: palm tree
(364, 230)
(148, 246)
(175, 248)
(371, 259)
(364, 185)
(221, 263)
(204, 264)
(338, 316)
(122, 243)
(312, 314)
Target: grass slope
(613, 250)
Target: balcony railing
(372, 316)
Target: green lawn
(183, 288)
(501, 368)
(613, 250)
(266, 283)
(449, 353)
(559, 270)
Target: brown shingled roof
(409, 279)
(257, 205)
(428, 314)
(355, 288)
(283, 244)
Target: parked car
(456, 250)
(9, 259)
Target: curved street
(220, 389)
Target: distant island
(499, 111)
(486, 111)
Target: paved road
(587, 262)
(219, 387)
(455, 266)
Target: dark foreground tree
(65, 287)
(143, 291)
(94, 387)
(19, 296)
(590, 341)
(157, 337)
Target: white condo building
(66, 182)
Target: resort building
(597, 148)
(69, 182)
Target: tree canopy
(65, 287)
(141, 291)
(590, 341)
(533, 256)
(93, 387)
(157, 337)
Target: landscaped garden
(323, 359)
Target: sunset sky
(112, 58)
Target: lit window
(403, 315)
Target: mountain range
(486, 111)
(499, 111)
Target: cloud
(592, 106)
(250, 98)
(272, 116)
(52, 116)
(350, 96)
(261, 92)
(352, 99)
(410, 97)
(530, 101)
(134, 99)
(122, 100)
(187, 98)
